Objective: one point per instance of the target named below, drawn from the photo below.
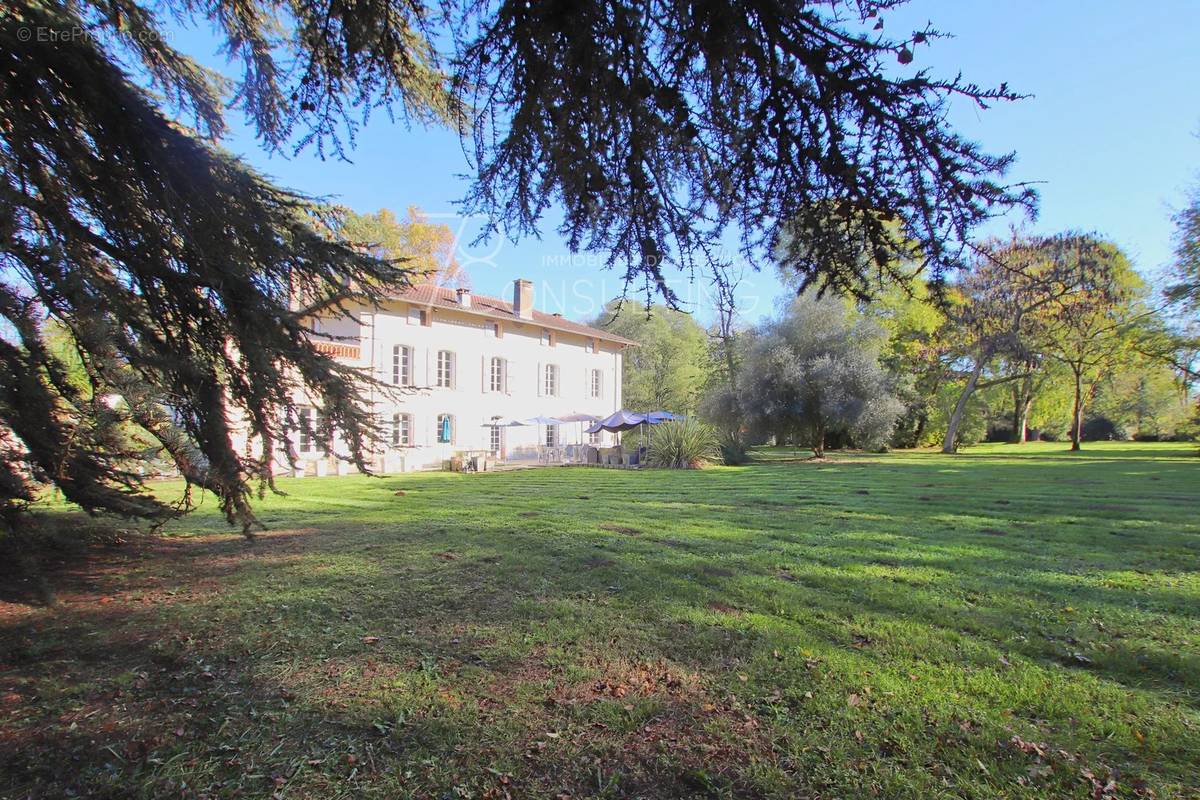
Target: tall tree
(670, 366)
(999, 307)
(424, 248)
(1091, 326)
(918, 340)
(814, 372)
(1186, 286)
(186, 279)
(1185, 292)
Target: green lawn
(1011, 622)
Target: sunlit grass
(869, 625)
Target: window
(445, 428)
(492, 329)
(445, 369)
(497, 441)
(590, 345)
(416, 316)
(547, 338)
(597, 383)
(401, 430)
(402, 365)
(550, 387)
(306, 430)
(551, 435)
(594, 438)
(496, 375)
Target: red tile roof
(428, 294)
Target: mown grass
(1011, 622)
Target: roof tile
(429, 294)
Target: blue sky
(1110, 135)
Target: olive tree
(814, 371)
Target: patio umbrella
(539, 420)
(620, 421)
(503, 422)
(581, 418)
(655, 417)
(543, 421)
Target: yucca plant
(682, 444)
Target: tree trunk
(949, 445)
(730, 364)
(919, 434)
(1022, 402)
(1015, 420)
(1024, 421)
(1077, 412)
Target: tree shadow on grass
(414, 650)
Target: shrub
(812, 374)
(682, 444)
(733, 451)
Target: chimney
(523, 298)
(464, 297)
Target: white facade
(473, 360)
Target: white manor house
(466, 367)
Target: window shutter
(484, 383)
(428, 376)
(541, 379)
(507, 367)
